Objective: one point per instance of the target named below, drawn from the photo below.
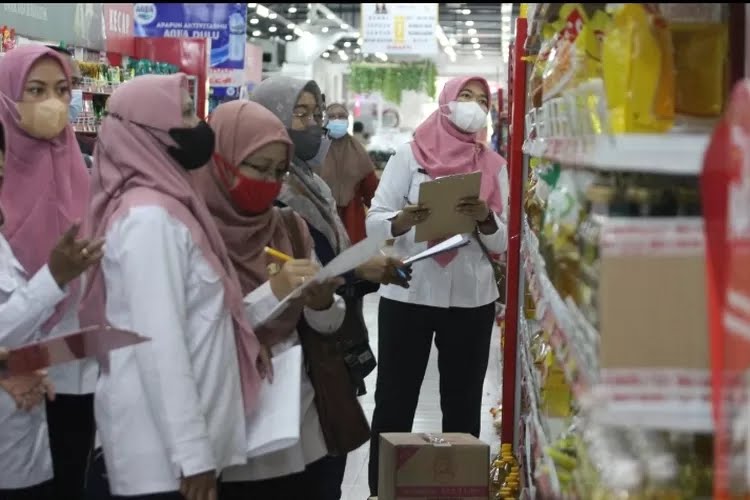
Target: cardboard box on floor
(433, 466)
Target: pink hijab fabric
(133, 169)
(46, 181)
(242, 128)
(441, 149)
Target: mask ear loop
(224, 168)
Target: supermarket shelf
(650, 399)
(672, 154)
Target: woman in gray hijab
(299, 105)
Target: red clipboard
(90, 342)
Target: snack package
(564, 60)
(638, 70)
(550, 38)
(701, 58)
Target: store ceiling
(469, 27)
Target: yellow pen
(275, 253)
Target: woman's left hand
(29, 391)
(473, 207)
(385, 271)
(319, 296)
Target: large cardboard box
(433, 466)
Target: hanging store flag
(400, 28)
(224, 24)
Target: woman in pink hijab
(452, 296)
(253, 153)
(46, 192)
(170, 413)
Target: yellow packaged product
(549, 39)
(701, 53)
(638, 70)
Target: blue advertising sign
(224, 23)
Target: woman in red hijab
(452, 296)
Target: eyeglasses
(306, 117)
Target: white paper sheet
(276, 425)
(350, 259)
(444, 246)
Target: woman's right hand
(408, 217)
(292, 275)
(70, 257)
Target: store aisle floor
(428, 416)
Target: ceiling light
(347, 44)
(356, 34)
(298, 31)
(272, 15)
(252, 5)
(506, 8)
(254, 20)
(383, 57)
(325, 29)
(476, 45)
(469, 23)
(308, 21)
(331, 17)
(471, 31)
(292, 10)
(343, 55)
(326, 55)
(466, 12)
(262, 11)
(273, 29)
(290, 26)
(479, 55)
(360, 41)
(357, 50)
(505, 28)
(256, 33)
(344, 26)
(331, 47)
(475, 40)
(288, 38)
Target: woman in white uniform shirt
(452, 295)
(50, 192)
(27, 302)
(253, 152)
(169, 412)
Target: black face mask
(195, 145)
(306, 142)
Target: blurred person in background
(299, 106)
(452, 297)
(170, 412)
(349, 172)
(50, 186)
(358, 132)
(253, 151)
(26, 303)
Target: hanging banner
(78, 24)
(225, 24)
(118, 27)
(400, 28)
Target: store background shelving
(649, 399)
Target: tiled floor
(428, 416)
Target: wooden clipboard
(441, 196)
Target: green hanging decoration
(392, 79)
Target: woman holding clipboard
(452, 295)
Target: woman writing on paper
(240, 185)
(452, 295)
(26, 303)
(170, 412)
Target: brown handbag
(344, 424)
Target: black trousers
(405, 332)
(43, 491)
(70, 419)
(320, 480)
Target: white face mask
(468, 116)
